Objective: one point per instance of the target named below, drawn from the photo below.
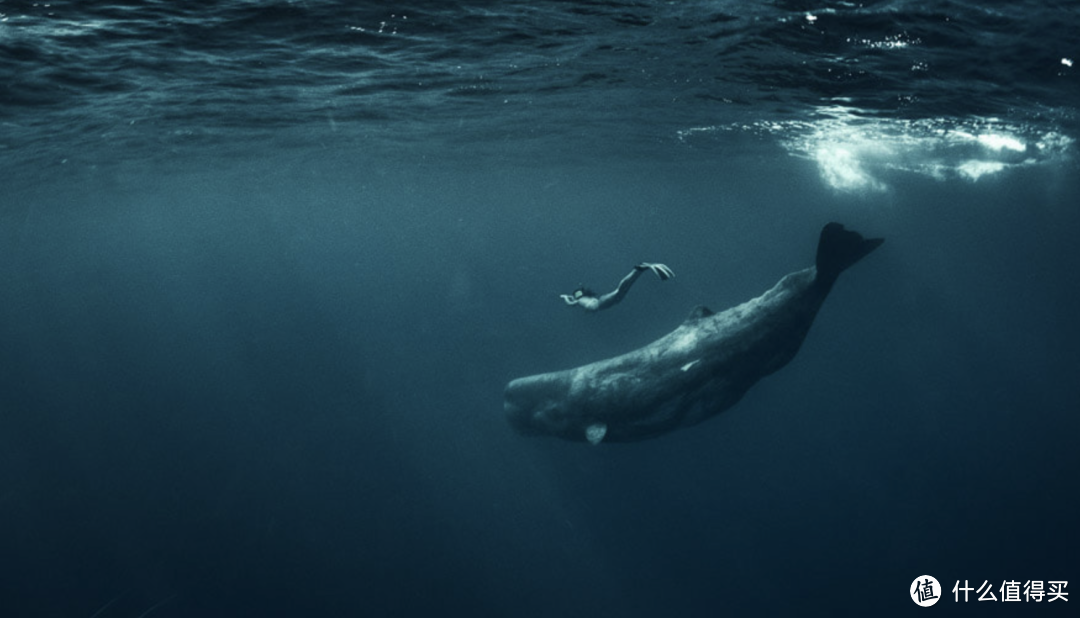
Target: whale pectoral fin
(701, 311)
(595, 433)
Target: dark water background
(265, 268)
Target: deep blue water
(266, 267)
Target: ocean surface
(266, 268)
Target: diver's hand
(570, 300)
(661, 270)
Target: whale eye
(595, 433)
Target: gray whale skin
(695, 372)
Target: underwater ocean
(266, 268)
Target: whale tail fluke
(839, 248)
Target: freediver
(588, 300)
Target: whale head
(538, 405)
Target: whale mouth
(519, 407)
(518, 417)
(534, 405)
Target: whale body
(691, 374)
